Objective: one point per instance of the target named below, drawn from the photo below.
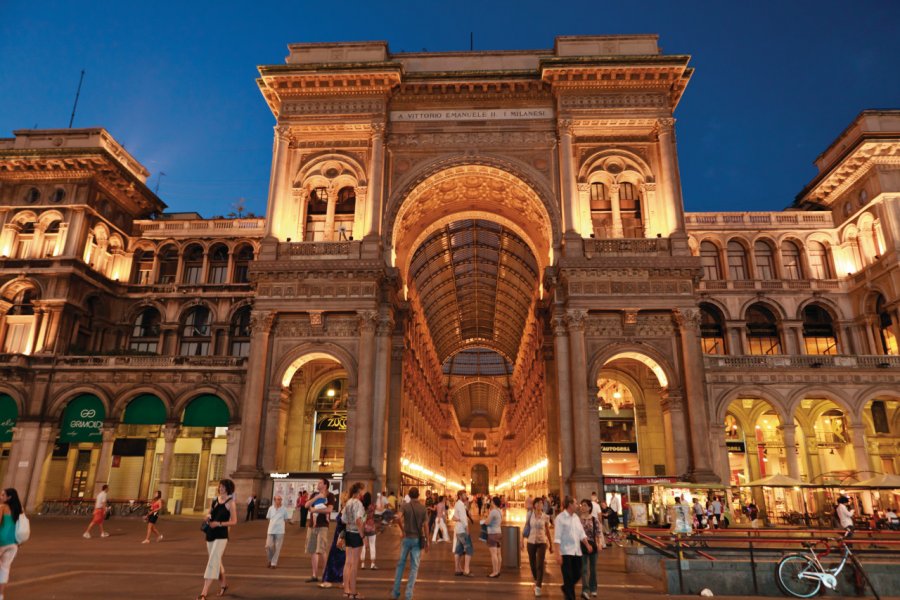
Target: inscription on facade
(493, 114)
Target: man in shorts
(320, 506)
(99, 516)
(463, 550)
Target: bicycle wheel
(788, 573)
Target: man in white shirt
(615, 503)
(845, 515)
(463, 549)
(716, 507)
(596, 512)
(100, 504)
(568, 538)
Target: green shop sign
(9, 414)
(83, 420)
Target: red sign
(638, 480)
(116, 461)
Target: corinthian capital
(283, 133)
(665, 125)
(367, 319)
(575, 318)
(687, 319)
(261, 321)
(378, 128)
(566, 126)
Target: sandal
(222, 590)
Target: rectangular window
(762, 346)
(710, 267)
(218, 273)
(737, 267)
(192, 274)
(713, 345)
(143, 347)
(18, 334)
(765, 267)
(315, 230)
(240, 348)
(194, 348)
(820, 345)
(818, 267)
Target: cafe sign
(82, 420)
(332, 422)
(618, 447)
(735, 447)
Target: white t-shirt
(845, 515)
(595, 510)
(276, 517)
(459, 512)
(100, 502)
(615, 503)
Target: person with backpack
(10, 515)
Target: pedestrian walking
(251, 508)
(222, 515)
(354, 516)
(493, 521)
(152, 517)
(320, 506)
(370, 531)
(463, 549)
(301, 506)
(277, 516)
(440, 521)
(716, 508)
(413, 522)
(10, 511)
(592, 529)
(569, 538)
(337, 555)
(537, 542)
(101, 503)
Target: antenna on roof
(471, 41)
(75, 105)
(158, 178)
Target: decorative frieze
(676, 287)
(614, 101)
(473, 139)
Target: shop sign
(332, 422)
(618, 448)
(735, 446)
(638, 480)
(83, 420)
(9, 414)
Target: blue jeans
(408, 547)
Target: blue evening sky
(775, 82)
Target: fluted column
(170, 434)
(105, 462)
(362, 424)
(688, 321)
(788, 433)
(564, 398)
(254, 394)
(376, 182)
(670, 177)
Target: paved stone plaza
(58, 564)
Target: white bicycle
(803, 575)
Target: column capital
(672, 400)
(378, 129)
(261, 321)
(566, 127)
(665, 125)
(584, 188)
(575, 318)
(282, 133)
(367, 320)
(384, 326)
(687, 319)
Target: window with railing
(886, 334)
(316, 211)
(193, 264)
(762, 331)
(195, 332)
(240, 332)
(630, 210)
(765, 264)
(243, 256)
(819, 265)
(168, 265)
(218, 265)
(344, 211)
(712, 330)
(601, 211)
(737, 261)
(790, 261)
(142, 267)
(818, 331)
(709, 258)
(145, 331)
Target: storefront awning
(206, 411)
(146, 409)
(82, 420)
(9, 414)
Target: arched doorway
(480, 479)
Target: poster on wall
(638, 515)
(290, 485)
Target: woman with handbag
(152, 517)
(354, 515)
(10, 513)
(337, 556)
(370, 530)
(222, 515)
(493, 521)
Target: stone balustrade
(804, 361)
(254, 227)
(771, 284)
(758, 220)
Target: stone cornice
(852, 167)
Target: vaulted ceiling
(479, 405)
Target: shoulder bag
(23, 529)
(527, 530)
(422, 540)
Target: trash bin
(178, 506)
(509, 546)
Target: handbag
(422, 540)
(483, 535)
(341, 543)
(527, 530)
(204, 527)
(23, 529)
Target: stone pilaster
(376, 183)
(105, 462)
(382, 380)
(564, 398)
(671, 180)
(170, 434)
(360, 429)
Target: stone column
(254, 397)
(872, 338)
(170, 434)
(169, 333)
(147, 469)
(567, 179)
(329, 212)
(232, 444)
(584, 478)
(276, 410)
(671, 180)
(203, 473)
(276, 224)
(394, 430)
(362, 425)
(383, 333)
(376, 183)
(34, 495)
(618, 232)
(564, 400)
(688, 321)
(551, 402)
(105, 462)
(21, 465)
(720, 449)
(858, 439)
(75, 233)
(677, 446)
(788, 433)
(791, 332)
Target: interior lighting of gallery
(423, 471)
(522, 475)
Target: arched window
(819, 265)
(168, 265)
(145, 332)
(316, 209)
(601, 211)
(51, 239)
(790, 261)
(25, 240)
(193, 264)
(886, 333)
(712, 329)
(737, 261)
(240, 332)
(762, 331)
(142, 267)
(818, 331)
(218, 264)
(19, 324)
(344, 210)
(709, 257)
(630, 209)
(195, 333)
(765, 264)
(243, 256)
